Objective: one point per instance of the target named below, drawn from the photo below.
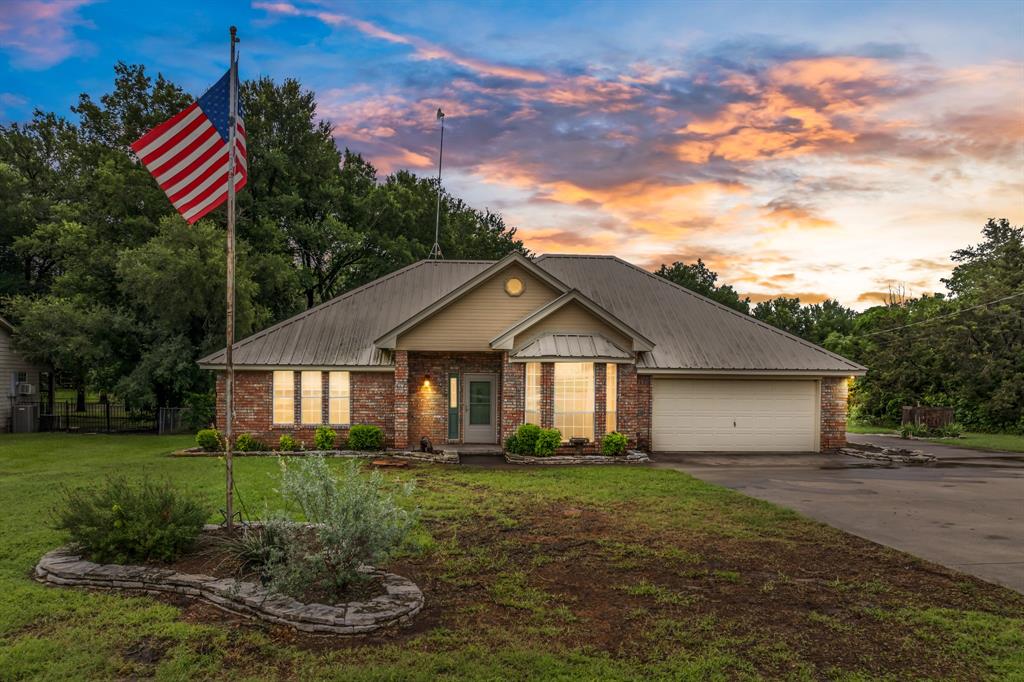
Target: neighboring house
(22, 380)
(466, 351)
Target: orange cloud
(806, 297)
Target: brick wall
(600, 393)
(513, 396)
(428, 405)
(547, 395)
(370, 403)
(400, 399)
(834, 393)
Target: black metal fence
(97, 418)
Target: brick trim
(401, 399)
(547, 395)
(834, 395)
(600, 399)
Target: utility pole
(435, 250)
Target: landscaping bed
(438, 457)
(212, 573)
(631, 457)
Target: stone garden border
(439, 457)
(397, 607)
(631, 457)
(890, 455)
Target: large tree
(698, 277)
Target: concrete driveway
(965, 511)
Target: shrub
(210, 440)
(288, 443)
(524, 440)
(951, 430)
(200, 409)
(356, 521)
(123, 522)
(614, 443)
(548, 441)
(246, 442)
(324, 438)
(366, 437)
(256, 548)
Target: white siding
(11, 363)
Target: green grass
(1005, 442)
(550, 573)
(861, 427)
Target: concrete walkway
(965, 511)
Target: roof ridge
(746, 316)
(320, 306)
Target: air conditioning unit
(25, 389)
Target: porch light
(426, 380)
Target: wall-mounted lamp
(426, 380)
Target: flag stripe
(188, 142)
(187, 156)
(182, 189)
(164, 127)
(212, 201)
(167, 142)
(174, 183)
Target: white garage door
(733, 415)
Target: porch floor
(474, 448)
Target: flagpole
(228, 360)
(435, 250)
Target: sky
(805, 149)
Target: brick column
(643, 411)
(513, 396)
(401, 399)
(834, 393)
(630, 423)
(297, 389)
(547, 394)
(600, 400)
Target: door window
(479, 403)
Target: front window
(532, 414)
(312, 398)
(574, 399)
(339, 405)
(284, 397)
(611, 399)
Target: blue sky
(803, 148)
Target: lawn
(566, 573)
(1006, 442)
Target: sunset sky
(808, 149)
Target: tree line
(963, 350)
(111, 288)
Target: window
(339, 404)
(312, 398)
(611, 397)
(453, 407)
(574, 399)
(284, 398)
(532, 414)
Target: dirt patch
(579, 578)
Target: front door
(479, 408)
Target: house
(465, 351)
(23, 382)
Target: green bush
(200, 409)
(614, 443)
(123, 522)
(288, 443)
(366, 437)
(952, 430)
(548, 441)
(524, 440)
(324, 438)
(356, 521)
(210, 440)
(246, 442)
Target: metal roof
(340, 332)
(690, 332)
(582, 346)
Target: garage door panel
(733, 415)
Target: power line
(942, 317)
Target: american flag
(188, 154)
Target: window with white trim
(574, 399)
(611, 397)
(532, 413)
(339, 407)
(312, 397)
(284, 397)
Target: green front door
(479, 407)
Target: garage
(734, 415)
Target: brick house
(465, 351)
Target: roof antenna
(435, 250)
